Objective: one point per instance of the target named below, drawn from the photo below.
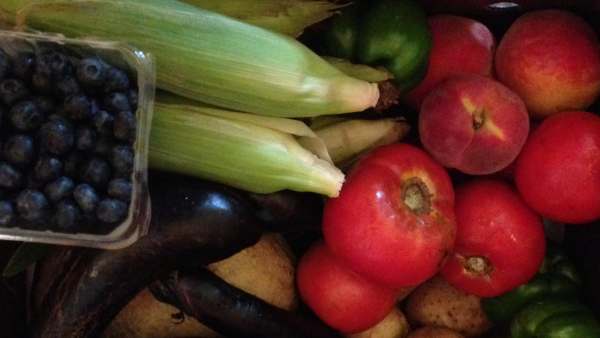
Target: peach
(474, 124)
(551, 58)
(459, 46)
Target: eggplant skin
(77, 292)
(233, 312)
(12, 297)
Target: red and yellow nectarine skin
(558, 171)
(340, 297)
(551, 58)
(459, 46)
(474, 124)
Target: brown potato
(265, 270)
(437, 303)
(434, 332)
(392, 326)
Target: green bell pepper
(388, 33)
(557, 277)
(555, 318)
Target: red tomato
(394, 218)
(558, 170)
(500, 242)
(340, 297)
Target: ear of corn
(289, 17)
(363, 72)
(348, 138)
(209, 57)
(256, 153)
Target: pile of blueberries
(67, 129)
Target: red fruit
(558, 171)
(500, 242)
(394, 219)
(340, 297)
(459, 46)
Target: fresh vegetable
(264, 270)
(13, 297)
(388, 33)
(345, 300)
(394, 325)
(561, 184)
(255, 153)
(208, 57)
(557, 277)
(434, 332)
(500, 242)
(289, 17)
(358, 71)
(459, 45)
(233, 312)
(78, 292)
(555, 318)
(394, 219)
(437, 303)
(352, 137)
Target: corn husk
(255, 153)
(206, 56)
(289, 17)
(363, 72)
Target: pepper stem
(478, 265)
(416, 196)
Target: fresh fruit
(474, 124)
(557, 171)
(551, 59)
(460, 45)
(500, 242)
(437, 303)
(394, 219)
(339, 296)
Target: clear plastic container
(140, 67)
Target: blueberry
(7, 213)
(86, 197)
(41, 83)
(103, 122)
(104, 145)
(72, 164)
(19, 149)
(91, 72)
(59, 189)
(47, 169)
(67, 216)
(111, 210)
(121, 189)
(23, 65)
(124, 126)
(45, 104)
(116, 80)
(12, 90)
(10, 178)
(66, 87)
(32, 183)
(85, 138)
(96, 172)
(57, 136)
(32, 205)
(4, 64)
(26, 116)
(78, 107)
(121, 158)
(133, 98)
(53, 64)
(116, 102)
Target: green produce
(358, 71)
(289, 17)
(555, 318)
(557, 277)
(388, 33)
(255, 153)
(206, 56)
